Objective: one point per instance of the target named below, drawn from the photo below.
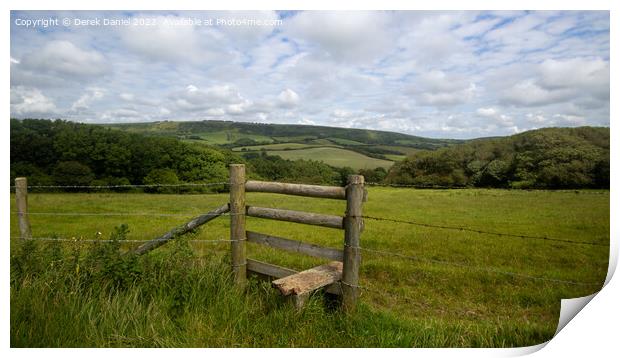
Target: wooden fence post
(21, 198)
(353, 226)
(237, 222)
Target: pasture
(423, 286)
(336, 157)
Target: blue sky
(442, 74)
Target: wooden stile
(301, 217)
(317, 191)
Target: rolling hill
(338, 147)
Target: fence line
(456, 228)
(459, 228)
(77, 240)
(112, 214)
(121, 186)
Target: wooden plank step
(309, 280)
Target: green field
(455, 294)
(277, 146)
(230, 136)
(336, 157)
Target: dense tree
(67, 153)
(546, 158)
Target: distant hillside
(545, 158)
(243, 134)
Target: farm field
(277, 146)
(336, 157)
(454, 288)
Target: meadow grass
(336, 157)
(449, 297)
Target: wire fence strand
(78, 239)
(462, 228)
(122, 186)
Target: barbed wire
(414, 186)
(446, 227)
(121, 186)
(479, 268)
(433, 186)
(459, 228)
(77, 240)
(113, 214)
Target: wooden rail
(301, 217)
(316, 191)
(294, 246)
(191, 225)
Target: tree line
(63, 153)
(549, 158)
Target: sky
(441, 74)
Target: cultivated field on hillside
(423, 286)
(336, 157)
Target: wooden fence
(340, 276)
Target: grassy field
(336, 157)
(276, 146)
(230, 136)
(451, 296)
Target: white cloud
(171, 41)
(436, 88)
(83, 103)
(193, 98)
(63, 58)
(486, 112)
(27, 102)
(288, 98)
(477, 28)
(591, 76)
(356, 36)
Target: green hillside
(225, 132)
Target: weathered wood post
(21, 198)
(353, 226)
(237, 222)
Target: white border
(592, 331)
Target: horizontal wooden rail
(316, 191)
(191, 225)
(295, 216)
(270, 270)
(294, 246)
(275, 271)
